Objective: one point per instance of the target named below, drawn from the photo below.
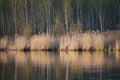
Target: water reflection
(59, 66)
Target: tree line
(26, 17)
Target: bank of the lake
(88, 41)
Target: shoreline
(88, 41)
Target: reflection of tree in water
(66, 66)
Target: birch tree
(67, 12)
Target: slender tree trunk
(99, 13)
(14, 17)
(26, 13)
(78, 18)
(119, 18)
(81, 20)
(3, 30)
(33, 16)
(101, 23)
(2, 17)
(66, 21)
(47, 21)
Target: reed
(88, 41)
(44, 42)
(98, 41)
(3, 43)
(18, 44)
(64, 42)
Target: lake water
(60, 66)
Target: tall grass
(79, 41)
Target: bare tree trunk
(99, 13)
(119, 19)
(2, 23)
(81, 20)
(14, 17)
(101, 23)
(26, 13)
(33, 16)
(78, 18)
(66, 21)
(48, 7)
(47, 21)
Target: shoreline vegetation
(87, 41)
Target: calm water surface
(59, 66)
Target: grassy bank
(88, 41)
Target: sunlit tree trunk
(14, 17)
(47, 9)
(66, 14)
(81, 16)
(33, 16)
(99, 13)
(26, 13)
(66, 21)
(78, 18)
(47, 21)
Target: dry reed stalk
(86, 41)
(117, 45)
(64, 43)
(73, 42)
(98, 41)
(110, 42)
(20, 42)
(3, 43)
(43, 42)
(53, 43)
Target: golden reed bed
(89, 41)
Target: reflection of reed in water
(19, 57)
(84, 59)
(75, 60)
(3, 57)
(42, 58)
